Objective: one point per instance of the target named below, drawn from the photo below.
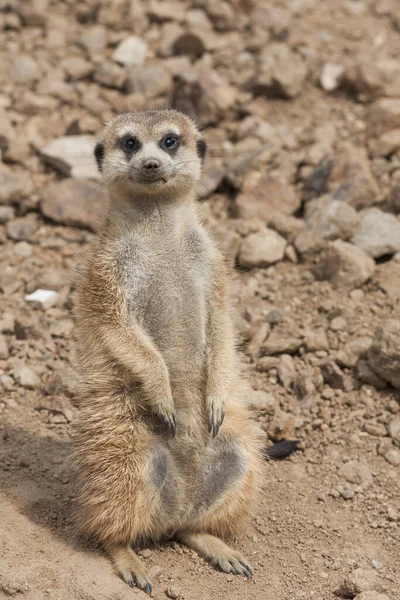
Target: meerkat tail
(281, 450)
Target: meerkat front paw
(216, 414)
(166, 412)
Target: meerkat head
(151, 153)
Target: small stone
(73, 156)
(286, 370)
(262, 402)
(7, 213)
(75, 202)
(377, 564)
(131, 51)
(331, 76)
(145, 553)
(393, 457)
(349, 355)
(376, 429)
(23, 69)
(265, 198)
(14, 185)
(378, 233)
(358, 473)
(261, 249)
(110, 75)
(174, 592)
(360, 580)
(280, 344)
(384, 115)
(7, 382)
(26, 377)
(387, 277)
(368, 376)
(304, 385)
(275, 316)
(23, 249)
(7, 323)
(280, 73)
(386, 144)
(316, 340)
(189, 43)
(384, 353)
(43, 298)
(22, 228)
(371, 595)
(333, 375)
(394, 430)
(3, 348)
(347, 494)
(151, 81)
(344, 265)
(77, 67)
(338, 324)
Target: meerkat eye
(129, 144)
(170, 142)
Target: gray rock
(316, 340)
(394, 430)
(344, 265)
(76, 202)
(26, 377)
(358, 473)
(358, 581)
(384, 354)
(151, 80)
(265, 198)
(73, 156)
(131, 51)
(281, 72)
(22, 228)
(14, 185)
(262, 249)
(378, 233)
(393, 457)
(23, 69)
(348, 355)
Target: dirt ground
(299, 101)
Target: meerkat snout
(157, 153)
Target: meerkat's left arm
(220, 350)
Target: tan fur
(155, 346)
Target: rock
(203, 94)
(376, 429)
(387, 276)
(289, 227)
(358, 473)
(94, 39)
(14, 185)
(264, 198)
(386, 144)
(261, 332)
(333, 375)
(7, 323)
(384, 115)
(338, 324)
(7, 213)
(174, 592)
(23, 249)
(344, 265)
(145, 553)
(358, 581)
(280, 72)
(371, 595)
(394, 430)
(3, 348)
(278, 343)
(33, 13)
(23, 69)
(73, 156)
(151, 80)
(22, 228)
(261, 249)
(326, 219)
(393, 457)
(189, 43)
(316, 340)
(75, 202)
(349, 355)
(26, 377)
(262, 402)
(368, 376)
(77, 67)
(384, 353)
(43, 298)
(317, 181)
(282, 426)
(331, 76)
(378, 233)
(304, 385)
(286, 370)
(131, 51)
(7, 382)
(110, 75)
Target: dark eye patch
(129, 144)
(171, 142)
(201, 148)
(99, 154)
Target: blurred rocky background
(299, 101)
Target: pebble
(43, 298)
(394, 430)
(371, 595)
(359, 580)
(261, 249)
(378, 233)
(145, 553)
(384, 353)
(347, 494)
(376, 429)
(72, 155)
(174, 592)
(331, 76)
(358, 473)
(131, 51)
(344, 265)
(26, 377)
(22, 249)
(393, 457)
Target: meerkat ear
(201, 149)
(99, 154)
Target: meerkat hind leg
(218, 553)
(130, 567)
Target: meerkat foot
(218, 553)
(216, 414)
(130, 567)
(165, 410)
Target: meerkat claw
(215, 420)
(170, 424)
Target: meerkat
(165, 446)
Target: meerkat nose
(151, 163)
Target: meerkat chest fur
(166, 278)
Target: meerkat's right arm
(134, 350)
